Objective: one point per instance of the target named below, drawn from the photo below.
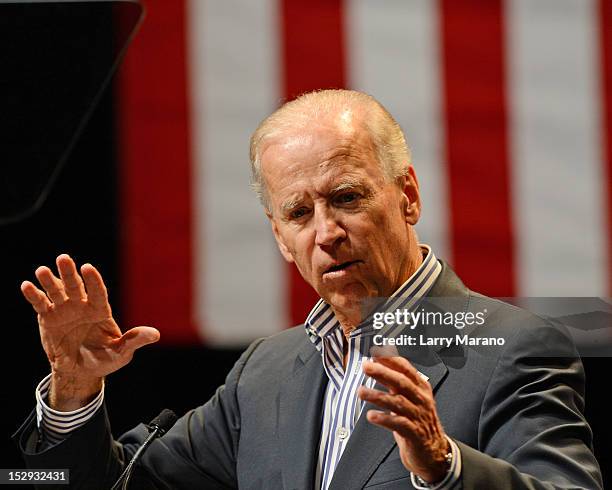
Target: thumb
(136, 338)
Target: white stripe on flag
(234, 58)
(393, 53)
(556, 147)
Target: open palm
(77, 329)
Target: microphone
(163, 422)
(157, 428)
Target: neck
(349, 320)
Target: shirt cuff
(55, 426)
(452, 476)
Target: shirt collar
(321, 320)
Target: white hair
(386, 134)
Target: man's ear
(411, 202)
(279, 241)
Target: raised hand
(409, 411)
(79, 335)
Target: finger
(401, 365)
(51, 284)
(73, 284)
(96, 290)
(387, 401)
(136, 338)
(35, 297)
(393, 422)
(395, 381)
(387, 376)
(383, 351)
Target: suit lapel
(301, 397)
(366, 449)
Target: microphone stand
(158, 427)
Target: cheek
(377, 228)
(385, 237)
(301, 247)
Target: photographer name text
(422, 340)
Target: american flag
(506, 104)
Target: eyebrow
(347, 184)
(289, 205)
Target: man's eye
(298, 213)
(347, 197)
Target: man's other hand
(409, 411)
(79, 335)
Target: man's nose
(327, 229)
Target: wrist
(439, 467)
(71, 392)
(445, 479)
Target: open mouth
(339, 267)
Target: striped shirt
(55, 426)
(342, 407)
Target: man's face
(334, 214)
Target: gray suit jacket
(516, 414)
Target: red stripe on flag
(153, 135)
(314, 58)
(476, 143)
(605, 11)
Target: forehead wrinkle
(343, 151)
(350, 149)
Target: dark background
(81, 217)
